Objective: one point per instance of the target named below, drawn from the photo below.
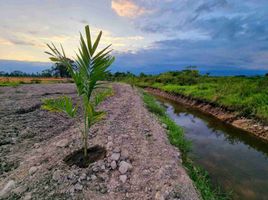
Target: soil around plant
(78, 158)
(233, 118)
(140, 163)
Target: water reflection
(234, 159)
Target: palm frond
(62, 104)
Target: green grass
(246, 95)
(176, 137)
(12, 84)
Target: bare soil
(77, 158)
(140, 163)
(252, 126)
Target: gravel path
(140, 162)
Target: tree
(142, 75)
(17, 73)
(47, 73)
(61, 70)
(88, 69)
(2, 73)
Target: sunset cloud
(127, 8)
(5, 42)
(150, 34)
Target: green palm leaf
(89, 68)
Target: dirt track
(140, 162)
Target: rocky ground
(140, 163)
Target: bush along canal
(235, 160)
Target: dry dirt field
(139, 164)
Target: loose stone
(124, 167)
(115, 156)
(32, 170)
(62, 143)
(116, 150)
(123, 178)
(28, 196)
(83, 176)
(57, 176)
(93, 177)
(113, 165)
(78, 187)
(109, 145)
(9, 186)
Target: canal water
(235, 160)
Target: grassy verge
(248, 96)
(176, 136)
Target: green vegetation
(176, 137)
(246, 95)
(87, 71)
(12, 84)
(61, 104)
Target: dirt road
(140, 163)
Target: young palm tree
(88, 69)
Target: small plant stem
(85, 137)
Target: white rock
(28, 196)
(8, 187)
(159, 196)
(110, 138)
(78, 187)
(124, 167)
(62, 143)
(19, 190)
(57, 176)
(93, 177)
(116, 150)
(109, 145)
(83, 176)
(115, 156)
(32, 170)
(123, 178)
(113, 165)
(102, 167)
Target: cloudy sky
(147, 35)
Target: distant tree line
(57, 70)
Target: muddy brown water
(235, 160)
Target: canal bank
(235, 160)
(250, 126)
